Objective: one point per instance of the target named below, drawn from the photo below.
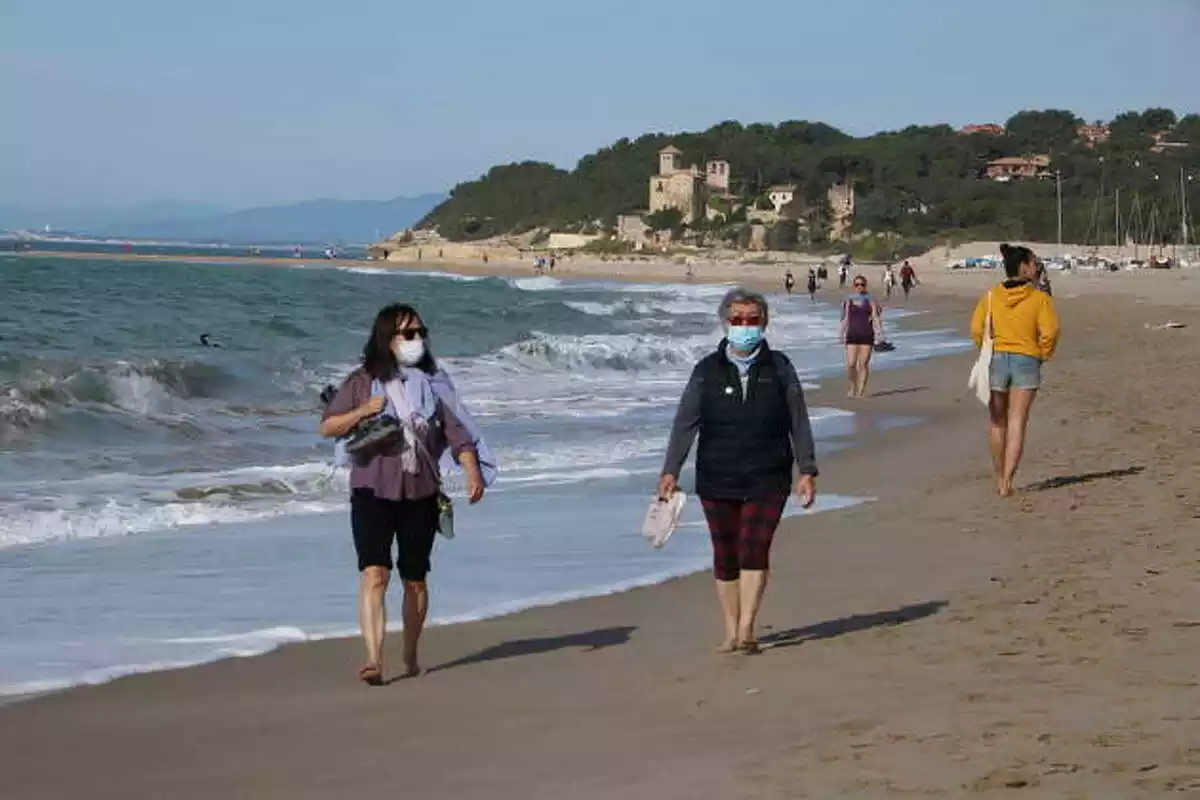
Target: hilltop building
(676, 187)
(841, 210)
(990, 127)
(1092, 135)
(1018, 167)
(686, 188)
(717, 176)
(781, 195)
(1163, 143)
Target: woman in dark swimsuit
(862, 318)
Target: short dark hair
(1014, 256)
(377, 358)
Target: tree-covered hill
(920, 181)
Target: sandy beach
(937, 642)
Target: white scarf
(412, 423)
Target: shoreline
(1150, 286)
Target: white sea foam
(117, 518)
(541, 283)
(174, 652)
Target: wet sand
(938, 641)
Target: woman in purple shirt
(394, 487)
(862, 320)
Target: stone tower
(841, 210)
(716, 175)
(670, 160)
(676, 187)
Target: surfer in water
(206, 341)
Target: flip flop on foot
(749, 648)
(371, 674)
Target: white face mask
(409, 353)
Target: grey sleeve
(687, 423)
(802, 437)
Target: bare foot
(371, 674)
(411, 669)
(1007, 490)
(750, 647)
(726, 647)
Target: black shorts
(376, 522)
(866, 341)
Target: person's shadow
(1087, 477)
(589, 641)
(852, 624)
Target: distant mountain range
(93, 219)
(309, 222)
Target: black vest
(745, 447)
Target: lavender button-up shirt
(382, 473)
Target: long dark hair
(1014, 257)
(377, 359)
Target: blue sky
(242, 102)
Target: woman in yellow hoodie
(1025, 333)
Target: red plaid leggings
(742, 531)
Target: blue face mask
(745, 337)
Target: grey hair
(740, 295)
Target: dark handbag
(373, 433)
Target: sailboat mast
(1183, 209)
(1117, 221)
(1058, 192)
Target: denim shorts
(1015, 371)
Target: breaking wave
(35, 388)
(621, 352)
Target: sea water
(164, 503)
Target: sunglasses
(408, 334)
(754, 320)
(860, 286)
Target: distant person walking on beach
(789, 282)
(889, 281)
(812, 284)
(1024, 328)
(746, 404)
(395, 484)
(862, 320)
(908, 278)
(1043, 280)
(844, 271)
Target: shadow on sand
(1076, 480)
(852, 624)
(591, 640)
(904, 390)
